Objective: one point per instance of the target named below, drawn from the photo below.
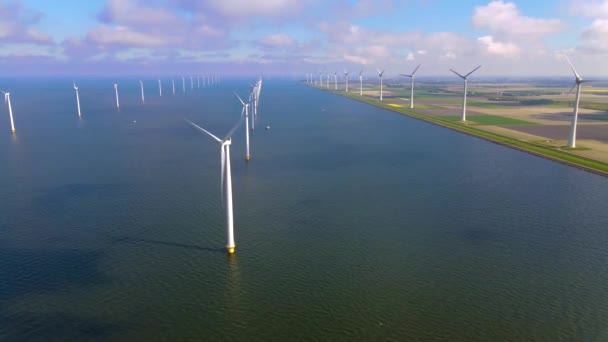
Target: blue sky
(292, 37)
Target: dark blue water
(352, 223)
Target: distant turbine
(77, 100)
(381, 74)
(335, 80)
(578, 81)
(141, 85)
(412, 76)
(183, 84)
(346, 77)
(160, 87)
(116, 91)
(464, 102)
(191, 83)
(7, 100)
(173, 85)
(327, 81)
(246, 111)
(361, 82)
(198, 81)
(226, 174)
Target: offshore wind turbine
(116, 92)
(77, 100)
(464, 101)
(7, 100)
(141, 85)
(412, 76)
(335, 80)
(327, 81)
(578, 81)
(173, 85)
(198, 81)
(380, 74)
(246, 111)
(183, 84)
(160, 87)
(346, 77)
(361, 82)
(191, 83)
(226, 174)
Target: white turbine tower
(141, 85)
(191, 83)
(346, 77)
(335, 80)
(464, 102)
(173, 85)
(327, 81)
(77, 100)
(227, 175)
(246, 111)
(160, 87)
(361, 82)
(116, 92)
(381, 75)
(412, 76)
(183, 84)
(7, 100)
(198, 81)
(578, 81)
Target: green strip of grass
(526, 146)
(491, 120)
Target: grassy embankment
(532, 147)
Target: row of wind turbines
(226, 176)
(577, 83)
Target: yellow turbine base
(247, 158)
(13, 130)
(230, 250)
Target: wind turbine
(335, 80)
(464, 102)
(361, 82)
(327, 81)
(183, 84)
(198, 81)
(346, 77)
(246, 110)
(381, 74)
(160, 88)
(116, 91)
(191, 83)
(173, 85)
(226, 174)
(141, 85)
(77, 99)
(7, 100)
(578, 81)
(412, 76)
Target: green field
(493, 120)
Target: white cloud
(277, 40)
(503, 18)
(593, 38)
(509, 50)
(123, 36)
(409, 57)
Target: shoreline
(563, 157)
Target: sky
(295, 37)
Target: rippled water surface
(352, 223)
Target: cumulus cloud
(504, 19)
(16, 22)
(276, 41)
(500, 49)
(593, 38)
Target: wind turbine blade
(223, 162)
(229, 135)
(238, 97)
(459, 75)
(405, 75)
(572, 66)
(571, 88)
(472, 71)
(204, 130)
(414, 72)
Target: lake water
(352, 223)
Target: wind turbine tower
(346, 77)
(77, 100)
(381, 75)
(7, 100)
(160, 88)
(412, 76)
(464, 101)
(361, 82)
(116, 92)
(578, 81)
(141, 85)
